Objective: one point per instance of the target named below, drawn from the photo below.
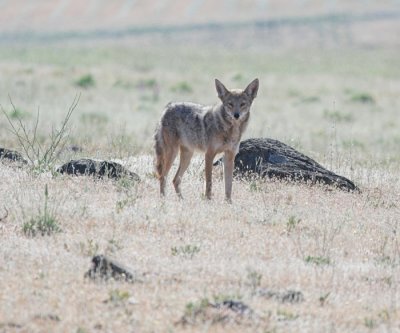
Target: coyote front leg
(210, 154)
(229, 159)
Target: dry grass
(270, 229)
(341, 250)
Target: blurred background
(329, 69)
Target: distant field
(336, 100)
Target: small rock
(104, 268)
(89, 167)
(11, 155)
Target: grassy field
(341, 250)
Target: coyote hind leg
(168, 158)
(184, 161)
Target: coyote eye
(242, 105)
(230, 105)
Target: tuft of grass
(187, 251)
(85, 81)
(182, 87)
(319, 261)
(310, 99)
(255, 186)
(117, 296)
(253, 280)
(123, 84)
(94, 118)
(292, 223)
(193, 309)
(286, 315)
(90, 248)
(150, 83)
(370, 323)
(362, 98)
(338, 116)
(45, 223)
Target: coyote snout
(212, 129)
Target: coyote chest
(228, 140)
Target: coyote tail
(159, 148)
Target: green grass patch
(338, 116)
(17, 113)
(85, 81)
(150, 83)
(319, 261)
(187, 251)
(362, 98)
(182, 87)
(95, 118)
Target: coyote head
(237, 102)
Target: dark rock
(11, 155)
(104, 268)
(89, 167)
(235, 306)
(10, 324)
(288, 296)
(274, 159)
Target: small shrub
(45, 223)
(42, 155)
(182, 87)
(85, 81)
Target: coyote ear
(221, 90)
(252, 89)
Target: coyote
(211, 129)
